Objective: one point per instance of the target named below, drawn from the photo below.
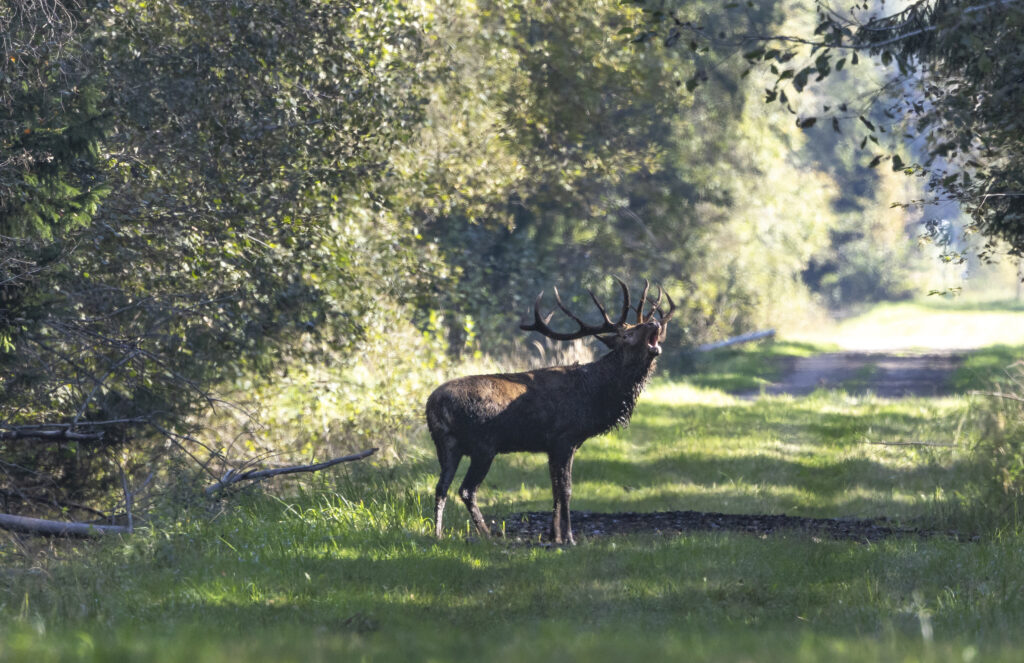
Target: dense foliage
(321, 202)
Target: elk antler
(656, 308)
(540, 324)
(662, 314)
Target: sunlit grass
(931, 324)
(688, 448)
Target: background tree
(243, 140)
(945, 111)
(297, 213)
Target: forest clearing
(269, 270)
(887, 554)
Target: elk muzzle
(653, 337)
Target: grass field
(344, 568)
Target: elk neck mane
(615, 386)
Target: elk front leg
(478, 467)
(560, 466)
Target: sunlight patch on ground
(921, 326)
(674, 393)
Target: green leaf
(800, 79)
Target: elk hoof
(559, 541)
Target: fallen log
(56, 527)
(736, 340)
(46, 433)
(232, 477)
(74, 432)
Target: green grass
(319, 578)
(987, 368)
(349, 570)
(345, 567)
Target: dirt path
(532, 527)
(887, 374)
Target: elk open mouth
(652, 342)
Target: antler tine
(604, 314)
(654, 305)
(540, 323)
(643, 300)
(671, 308)
(558, 300)
(538, 320)
(625, 301)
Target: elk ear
(611, 342)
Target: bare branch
(913, 444)
(127, 499)
(1009, 397)
(231, 477)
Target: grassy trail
(346, 569)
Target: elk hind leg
(560, 467)
(478, 467)
(449, 459)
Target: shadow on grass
(412, 604)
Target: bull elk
(550, 410)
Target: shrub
(999, 450)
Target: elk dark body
(549, 410)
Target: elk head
(639, 342)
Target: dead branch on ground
(232, 477)
(56, 527)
